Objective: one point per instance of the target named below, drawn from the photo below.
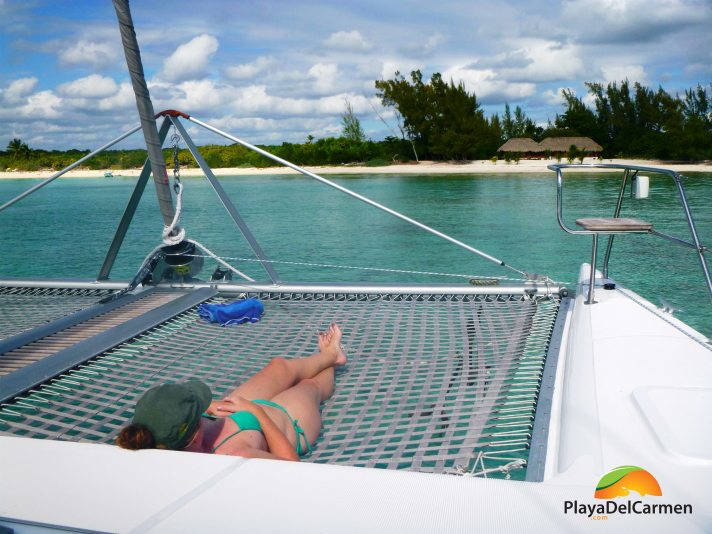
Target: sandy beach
(424, 167)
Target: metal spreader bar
(227, 203)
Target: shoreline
(424, 167)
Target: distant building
(561, 145)
(528, 148)
(551, 146)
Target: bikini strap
(298, 430)
(227, 438)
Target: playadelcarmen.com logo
(619, 482)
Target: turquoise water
(64, 229)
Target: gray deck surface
(432, 382)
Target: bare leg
(281, 374)
(302, 402)
(330, 341)
(325, 383)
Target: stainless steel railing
(630, 172)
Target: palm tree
(17, 149)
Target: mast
(147, 115)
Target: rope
(377, 269)
(483, 472)
(168, 238)
(218, 259)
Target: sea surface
(64, 230)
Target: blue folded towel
(236, 312)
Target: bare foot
(330, 342)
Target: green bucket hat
(172, 411)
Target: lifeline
(625, 507)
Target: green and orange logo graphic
(620, 481)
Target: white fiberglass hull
(633, 386)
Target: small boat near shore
(512, 404)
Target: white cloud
(252, 99)
(325, 76)
(550, 62)
(42, 105)
(554, 98)
(487, 84)
(618, 73)
(299, 66)
(250, 70)
(123, 99)
(18, 90)
(89, 53)
(65, 109)
(589, 100)
(536, 62)
(351, 41)
(190, 60)
(626, 21)
(699, 70)
(432, 42)
(276, 129)
(248, 101)
(420, 45)
(92, 86)
(192, 96)
(405, 67)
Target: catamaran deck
(436, 382)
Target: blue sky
(273, 70)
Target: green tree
(577, 119)
(518, 125)
(696, 110)
(18, 150)
(648, 123)
(351, 126)
(413, 104)
(459, 125)
(442, 119)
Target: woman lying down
(274, 414)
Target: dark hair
(135, 437)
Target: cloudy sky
(278, 70)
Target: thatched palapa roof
(520, 144)
(562, 144)
(553, 144)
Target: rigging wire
(218, 259)
(352, 267)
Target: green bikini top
(244, 421)
(247, 421)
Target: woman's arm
(277, 443)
